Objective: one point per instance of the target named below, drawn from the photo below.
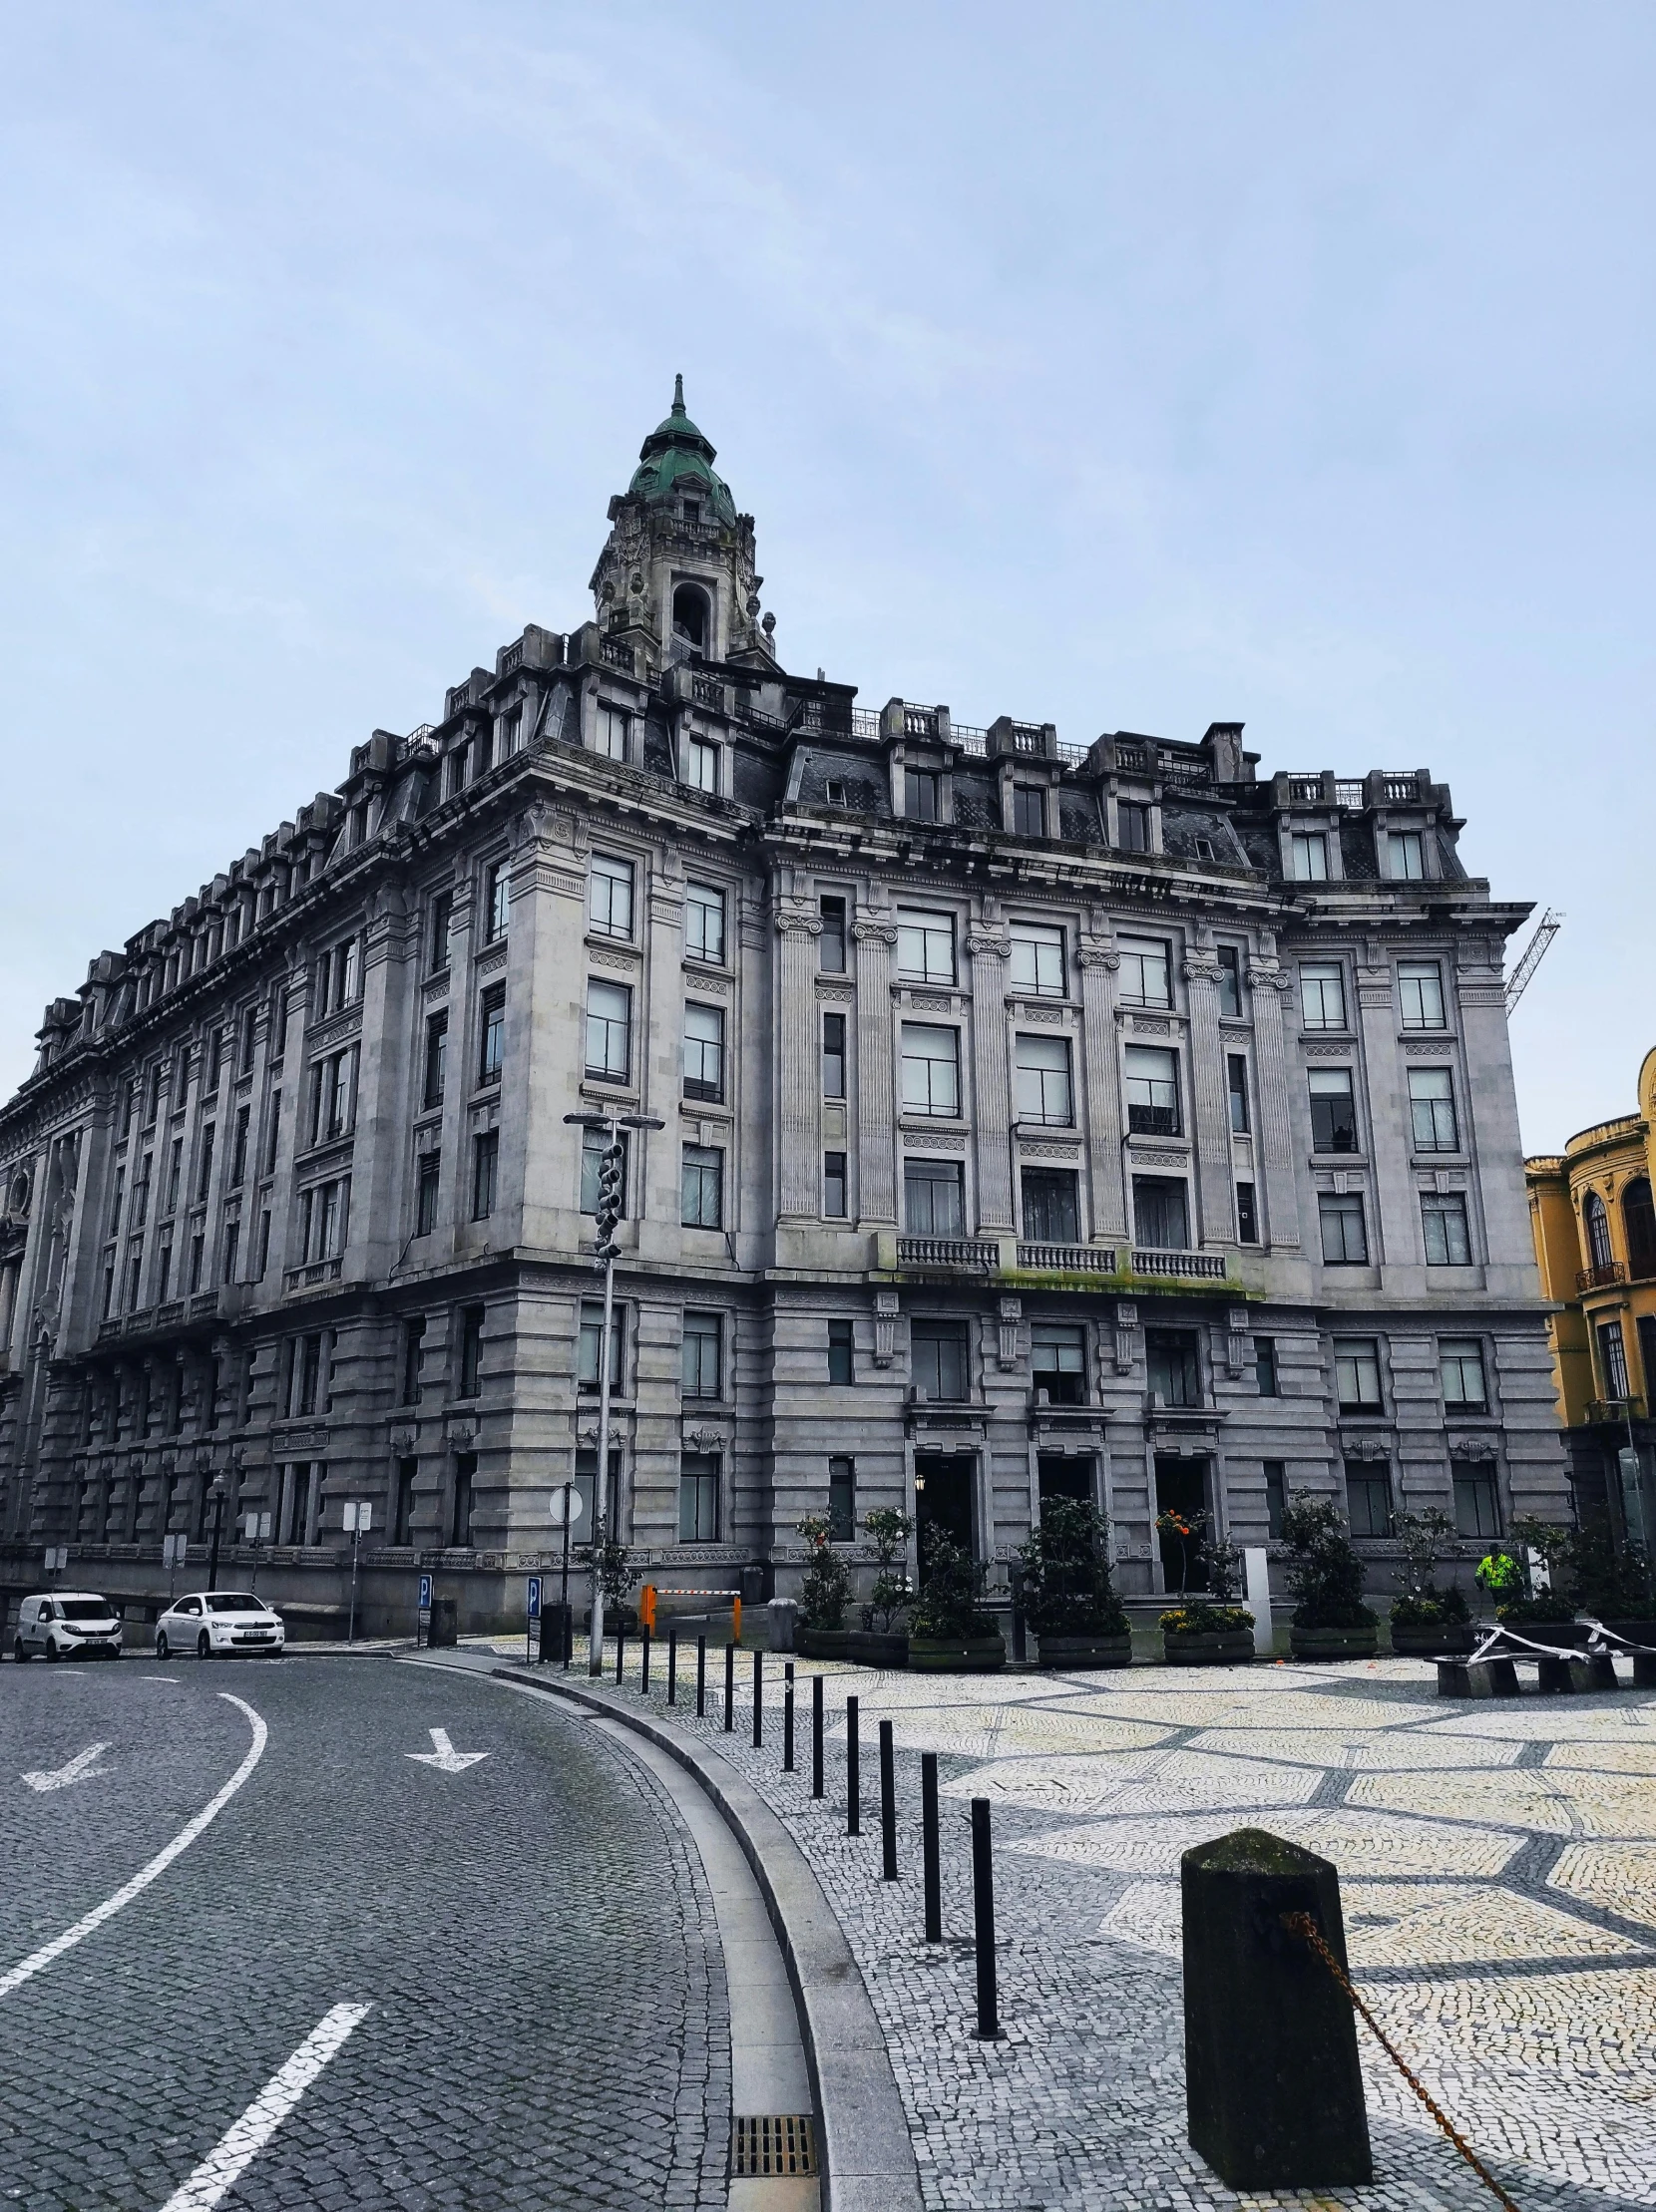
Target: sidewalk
(1498, 1892)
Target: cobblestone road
(534, 1936)
(1499, 1888)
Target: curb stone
(868, 2161)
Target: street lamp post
(217, 1494)
(609, 1209)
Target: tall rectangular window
(931, 1070)
(1029, 810)
(140, 1190)
(1345, 1234)
(1431, 1110)
(1152, 1090)
(263, 1260)
(609, 1030)
(425, 1204)
(437, 1055)
(1476, 1503)
(1265, 1366)
(830, 949)
(589, 1347)
(1443, 1226)
(491, 1052)
(842, 1501)
(1322, 994)
(1161, 1218)
(922, 794)
(1247, 1215)
(1172, 1367)
(214, 1061)
(238, 1146)
(163, 1268)
(1404, 856)
(175, 1177)
(413, 1352)
(440, 924)
(842, 1354)
(925, 946)
(699, 1474)
(833, 1056)
(1036, 967)
(233, 1251)
(1461, 1364)
(203, 1172)
(115, 1199)
(934, 1199)
(1043, 1089)
(1420, 992)
(1236, 1084)
(703, 1051)
(463, 1508)
(702, 1188)
(1230, 981)
(1052, 1206)
(1133, 818)
(402, 1523)
(485, 1173)
(1307, 855)
(1357, 1374)
(939, 1358)
(249, 1037)
(471, 1352)
(1147, 973)
(272, 1140)
(704, 925)
(1333, 1110)
(1275, 1495)
(1368, 1498)
(835, 1190)
(702, 1362)
(703, 765)
(1058, 1361)
(610, 898)
(612, 732)
(1612, 1361)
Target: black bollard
(1273, 2088)
(568, 1636)
(930, 1857)
(983, 1918)
(888, 1804)
(787, 1717)
(672, 1666)
(644, 1665)
(729, 1687)
(620, 1653)
(853, 1772)
(700, 1676)
(758, 1701)
(816, 1736)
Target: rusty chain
(1303, 1926)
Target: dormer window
(922, 794)
(835, 788)
(1029, 810)
(693, 512)
(702, 764)
(689, 610)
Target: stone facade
(1103, 1119)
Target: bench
(1493, 1669)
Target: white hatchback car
(67, 1624)
(224, 1620)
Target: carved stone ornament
(797, 922)
(1126, 1322)
(874, 933)
(1269, 979)
(885, 1328)
(1010, 1314)
(1364, 1447)
(1472, 1447)
(1096, 952)
(1203, 968)
(1238, 1343)
(981, 939)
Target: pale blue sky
(1123, 367)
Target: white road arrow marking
(443, 1754)
(80, 1768)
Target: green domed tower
(677, 577)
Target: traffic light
(611, 1166)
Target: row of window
(700, 762)
(1403, 856)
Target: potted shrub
(882, 1640)
(1325, 1574)
(1542, 1615)
(1428, 1621)
(616, 1576)
(1068, 1597)
(1612, 1583)
(949, 1630)
(1208, 1629)
(823, 1595)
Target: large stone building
(1594, 1227)
(1037, 1117)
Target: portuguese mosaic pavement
(1499, 1875)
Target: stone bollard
(1274, 2093)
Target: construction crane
(1533, 954)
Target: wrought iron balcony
(1618, 1410)
(1600, 1279)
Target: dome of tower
(677, 462)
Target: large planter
(856, 1647)
(967, 1654)
(1567, 1635)
(1334, 1644)
(1634, 1631)
(1207, 1647)
(1087, 1651)
(1432, 1639)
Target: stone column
(391, 945)
(1210, 1117)
(991, 949)
(876, 938)
(1098, 961)
(539, 1164)
(1393, 1210)
(1271, 987)
(798, 1081)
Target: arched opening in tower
(689, 615)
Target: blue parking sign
(535, 1596)
(425, 1593)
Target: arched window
(689, 615)
(1598, 1230)
(1638, 1223)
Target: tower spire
(678, 392)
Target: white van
(67, 1624)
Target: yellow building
(1596, 1245)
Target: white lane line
(225, 2164)
(163, 1859)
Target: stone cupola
(677, 578)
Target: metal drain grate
(783, 2144)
